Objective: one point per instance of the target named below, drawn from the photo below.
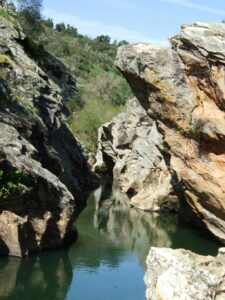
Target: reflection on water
(44, 276)
(131, 229)
(108, 260)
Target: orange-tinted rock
(183, 91)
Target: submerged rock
(183, 275)
(182, 90)
(43, 172)
(132, 145)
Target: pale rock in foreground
(183, 275)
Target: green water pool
(108, 260)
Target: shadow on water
(45, 276)
(108, 260)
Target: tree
(49, 23)
(105, 39)
(70, 30)
(2, 2)
(61, 27)
(31, 7)
(123, 42)
(30, 15)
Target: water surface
(108, 260)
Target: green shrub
(85, 122)
(5, 93)
(3, 101)
(7, 15)
(106, 86)
(35, 50)
(196, 126)
(9, 181)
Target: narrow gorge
(155, 183)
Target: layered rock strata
(43, 172)
(182, 90)
(131, 145)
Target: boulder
(182, 90)
(13, 232)
(183, 275)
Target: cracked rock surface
(183, 275)
(182, 90)
(37, 149)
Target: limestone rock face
(183, 275)
(43, 172)
(182, 90)
(131, 144)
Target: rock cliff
(43, 172)
(183, 275)
(131, 145)
(182, 90)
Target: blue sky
(133, 20)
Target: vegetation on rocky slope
(102, 91)
(44, 176)
(9, 181)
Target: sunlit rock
(132, 145)
(182, 90)
(183, 275)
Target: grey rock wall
(44, 174)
